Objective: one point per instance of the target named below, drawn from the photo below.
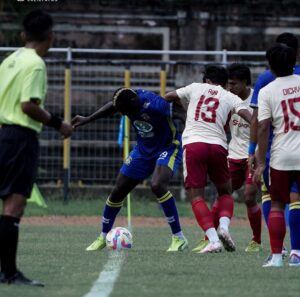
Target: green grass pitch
(56, 256)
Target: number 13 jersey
(209, 108)
(280, 101)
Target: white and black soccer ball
(119, 238)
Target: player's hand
(258, 172)
(79, 121)
(66, 130)
(251, 163)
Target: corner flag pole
(127, 143)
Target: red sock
(254, 216)
(276, 226)
(202, 213)
(225, 206)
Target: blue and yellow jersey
(154, 126)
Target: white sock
(277, 257)
(212, 235)
(224, 223)
(296, 252)
(103, 234)
(179, 234)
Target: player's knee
(278, 205)
(158, 189)
(250, 202)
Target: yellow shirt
(22, 77)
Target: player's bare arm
(245, 114)
(178, 110)
(173, 97)
(253, 138)
(106, 110)
(263, 136)
(34, 111)
(254, 126)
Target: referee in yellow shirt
(23, 87)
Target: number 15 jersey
(280, 101)
(209, 108)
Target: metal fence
(82, 80)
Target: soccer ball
(119, 238)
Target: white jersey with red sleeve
(208, 109)
(280, 101)
(240, 133)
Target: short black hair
(216, 73)
(239, 71)
(37, 25)
(122, 99)
(289, 39)
(282, 59)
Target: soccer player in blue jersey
(158, 152)
(264, 79)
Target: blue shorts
(294, 187)
(139, 168)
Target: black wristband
(54, 122)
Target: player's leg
(280, 188)
(13, 209)
(253, 212)
(131, 173)
(165, 167)
(219, 174)
(18, 168)
(266, 198)
(113, 205)
(195, 179)
(294, 223)
(159, 186)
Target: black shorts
(19, 150)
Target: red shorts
(281, 183)
(239, 172)
(201, 159)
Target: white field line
(104, 285)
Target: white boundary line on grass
(104, 285)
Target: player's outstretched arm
(263, 136)
(106, 110)
(173, 97)
(34, 111)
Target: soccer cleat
(212, 247)
(253, 247)
(273, 263)
(19, 279)
(226, 240)
(178, 244)
(202, 244)
(284, 254)
(294, 260)
(98, 244)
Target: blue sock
(287, 214)
(168, 205)
(294, 220)
(266, 207)
(110, 212)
